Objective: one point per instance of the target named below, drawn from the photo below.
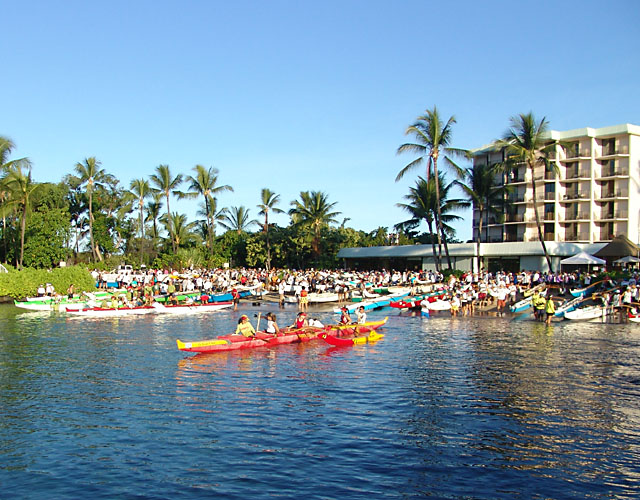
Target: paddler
(361, 315)
(272, 325)
(244, 327)
(301, 320)
(345, 319)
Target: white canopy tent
(629, 259)
(583, 258)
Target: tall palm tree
(166, 184)
(237, 219)
(526, 142)
(6, 147)
(181, 228)
(483, 190)
(139, 189)
(204, 183)
(423, 200)
(269, 200)
(92, 176)
(153, 212)
(432, 137)
(313, 210)
(21, 187)
(211, 213)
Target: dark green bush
(20, 284)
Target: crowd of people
(467, 292)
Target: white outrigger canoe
(195, 308)
(374, 303)
(110, 312)
(437, 305)
(589, 313)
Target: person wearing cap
(301, 320)
(345, 319)
(235, 295)
(244, 327)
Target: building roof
(495, 250)
(625, 128)
(620, 246)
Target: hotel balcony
(513, 237)
(576, 237)
(513, 218)
(575, 196)
(577, 216)
(574, 155)
(607, 194)
(618, 214)
(614, 172)
(580, 174)
(608, 151)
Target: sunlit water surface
(448, 408)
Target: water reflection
(442, 407)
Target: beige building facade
(592, 196)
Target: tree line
(91, 217)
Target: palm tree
(269, 201)
(526, 142)
(482, 189)
(181, 228)
(423, 200)
(21, 187)
(6, 147)
(92, 176)
(204, 183)
(313, 210)
(166, 184)
(153, 212)
(237, 219)
(139, 191)
(432, 137)
(211, 213)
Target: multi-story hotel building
(592, 195)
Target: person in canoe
(361, 315)
(301, 321)
(345, 318)
(244, 327)
(272, 325)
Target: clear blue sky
(298, 96)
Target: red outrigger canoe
(369, 328)
(286, 336)
(262, 339)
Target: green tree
(182, 229)
(139, 190)
(205, 183)
(91, 176)
(153, 212)
(422, 205)
(47, 233)
(526, 142)
(269, 200)
(164, 182)
(21, 188)
(6, 208)
(237, 219)
(432, 138)
(313, 211)
(482, 189)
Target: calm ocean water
(478, 408)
